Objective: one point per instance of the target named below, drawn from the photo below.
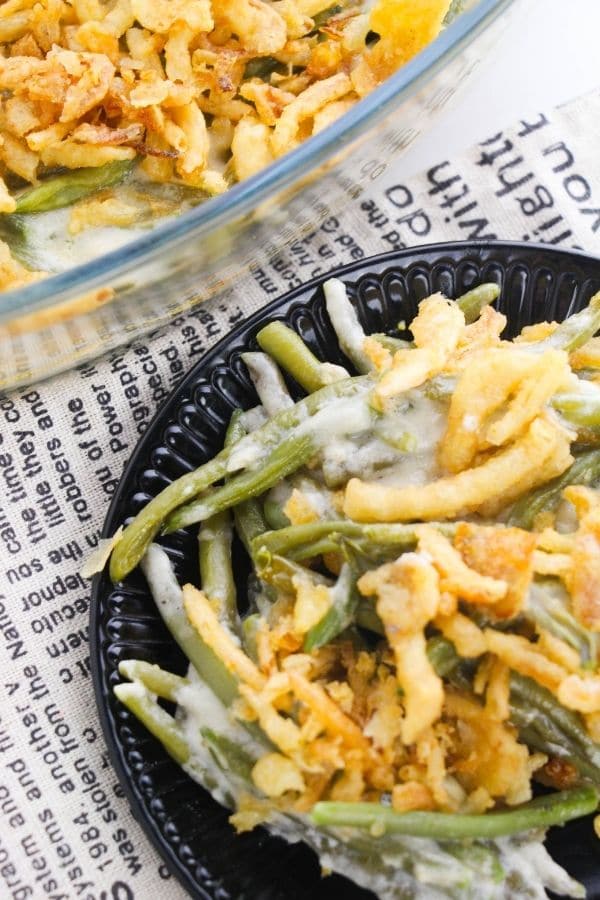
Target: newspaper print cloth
(65, 829)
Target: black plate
(187, 827)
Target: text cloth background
(65, 830)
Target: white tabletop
(549, 55)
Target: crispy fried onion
(408, 598)
(541, 453)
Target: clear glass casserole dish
(93, 307)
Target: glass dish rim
(245, 196)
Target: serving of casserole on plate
(400, 667)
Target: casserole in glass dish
(112, 297)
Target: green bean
(268, 382)
(367, 617)
(248, 517)
(579, 409)
(393, 344)
(576, 330)
(167, 595)
(284, 541)
(144, 707)
(442, 655)
(441, 652)
(160, 682)
(484, 859)
(474, 301)
(249, 631)
(263, 67)
(285, 459)
(455, 8)
(279, 572)
(565, 731)
(249, 522)
(334, 543)
(216, 572)
(416, 868)
(541, 733)
(16, 232)
(329, 543)
(528, 732)
(139, 534)
(542, 812)
(274, 515)
(344, 319)
(344, 600)
(534, 711)
(551, 728)
(230, 757)
(548, 605)
(290, 352)
(367, 551)
(441, 387)
(584, 470)
(403, 441)
(298, 541)
(63, 190)
(447, 663)
(235, 430)
(322, 17)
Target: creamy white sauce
(319, 498)
(50, 248)
(349, 435)
(331, 372)
(586, 388)
(345, 322)
(254, 418)
(566, 521)
(424, 418)
(343, 459)
(164, 587)
(348, 415)
(541, 865)
(268, 382)
(47, 245)
(203, 709)
(247, 453)
(281, 492)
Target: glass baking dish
(74, 315)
